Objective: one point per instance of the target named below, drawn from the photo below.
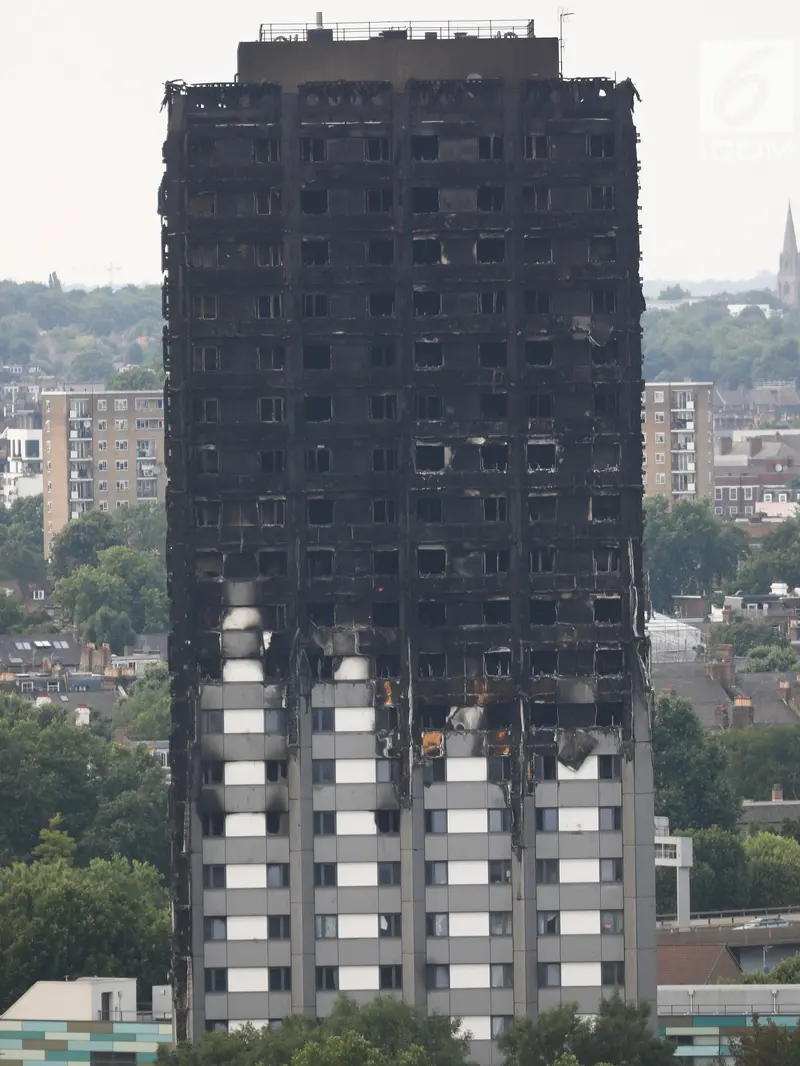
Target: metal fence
(748, 1010)
(364, 31)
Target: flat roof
(293, 54)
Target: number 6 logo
(743, 93)
(747, 88)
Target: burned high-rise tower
(411, 737)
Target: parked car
(766, 921)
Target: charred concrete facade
(411, 729)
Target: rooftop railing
(417, 31)
(710, 1010)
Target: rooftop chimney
(777, 793)
(319, 20)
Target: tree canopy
(743, 635)
(674, 292)
(17, 619)
(79, 542)
(145, 711)
(137, 377)
(109, 799)
(759, 758)
(21, 542)
(619, 1033)
(766, 1045)
(124, 593)
(720, 876)
(690, 768)
(383, 1032)
(687, 549)
(769, 658)
(774, 870)
(777, 559)
(76, 333)
(143, 527)
(59, 920)
(786, 972)
(704, 342)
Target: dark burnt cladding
(403, 363)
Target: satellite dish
(778, 468)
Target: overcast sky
(81, 132)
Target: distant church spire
(789, 268)
(789, 239)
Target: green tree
(395, 1027)
(674, 292)
(383, 1032)
(110, 800)
(134, 354)
(786, 972)
(90, 365)
(687, 549)
(619, 1033)
(743, 635)
(777, 559)
(18, 335)
(138, 377)
(145, 711)
(143, 527)
(352, 1049)
(21, 542)
(124, 581)
(760, 758)
(107, 626)
(79, 542)
(18, 561)
(86, 591)
(54, 844)
(789, 827)
(145, 581)
(720, 876)
(690, 770)
(26, 516)
(774, 863)
(704, 342)
(58, 920)
(766, 1045)
(539, 1041)
(766, 658)
(16, 619)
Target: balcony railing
(114, 1015)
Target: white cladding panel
(357, 874)
(468, 872)
(469, 923)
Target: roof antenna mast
(563, 15)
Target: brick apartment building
(101, 450)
